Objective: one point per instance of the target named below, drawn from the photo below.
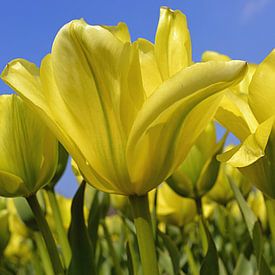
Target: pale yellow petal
(252, 149)
(172, 42)
(261, 96)
(236, 116)
(151, 77)
(120, 31)
(214, 56)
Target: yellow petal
(151, 77)
(120, 31)
(236, 116)
(172, 42)
(242, 88)
(261, 90)
(169, 122)
(214, 56)
(252, 149)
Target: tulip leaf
(130, 259)
(210, 170)
(254, 230)
(98, 210)
(210, 264)
(4, 231)
(82, 251)
(172, 250)
(243, 266)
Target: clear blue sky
(242, 29)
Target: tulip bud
(174, 209)
(28, 150)
(198, 172)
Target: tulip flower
(257, 204)
(28, 159)
(252, 122)
(174, 209)
(128, 113)
(28, 150)
(198, 172)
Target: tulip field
(158, 192)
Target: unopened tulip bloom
(198, 172)
(28, 160)
(128, 113)
(174, 209)
(253, 123)
(28, 150)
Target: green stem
(44, 255)
(46, 232)
(143, 224)
(198, 201)
(111, 248)
(270, 207)
(60, 230)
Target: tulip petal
(214, 56)
(236, 116)
(120, 31)
(242, 88)
(151, 77)
(172, 43)
(169, 122)
(252, 149)
(261, 96)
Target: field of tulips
(158, 192)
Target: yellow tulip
(253, 123)
(198, 172)
(128, 113)
(174, 209)
(257, 203)
(28, 150)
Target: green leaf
(82, 251)
(210, 264)
(98, 210)
(130, 259)
(243, 266)
(254, 230)
(172, 250)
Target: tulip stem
(43, 252)
(143, 224)
(115, 259)
(199, 206)
(270, 207)
(60, 230)
(47, 235)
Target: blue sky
(242, 29)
